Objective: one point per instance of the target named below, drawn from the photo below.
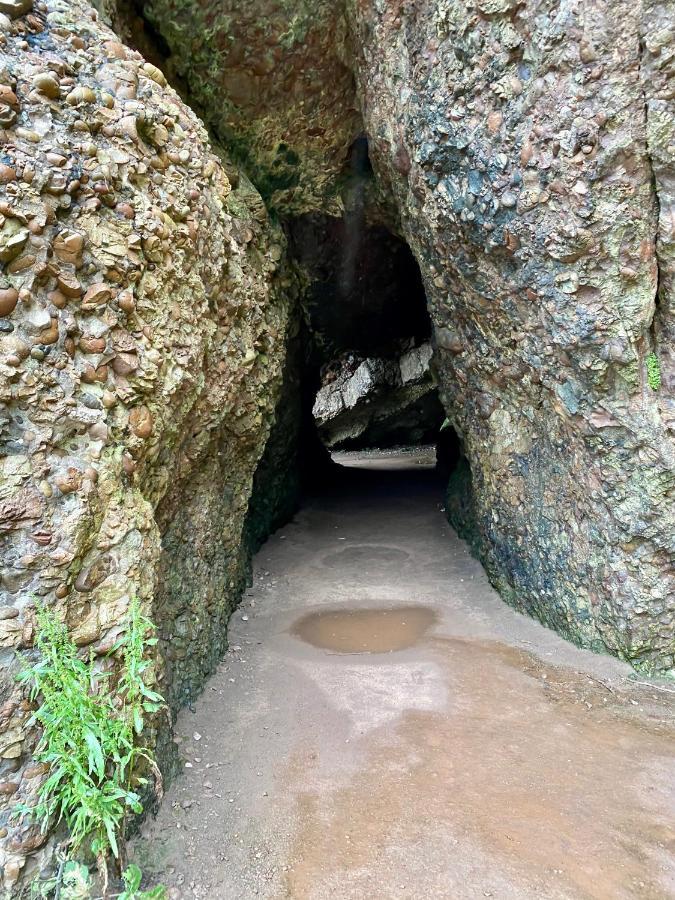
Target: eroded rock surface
(657, 70)
(376, 402)
(273, 81)
(529, 169)
(143, 318)
(527, 148)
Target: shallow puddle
(366, 557)
(364, 630)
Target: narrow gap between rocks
(367, 374)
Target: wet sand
(384, 726)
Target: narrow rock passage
(384, 726)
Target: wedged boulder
(377, 402)
(527, 147)
(143, 315)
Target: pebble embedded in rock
(7, 174)
(47, 83)
(16, 8)
(9, 297)
(96, 295)
(140, 421)
(69, 285)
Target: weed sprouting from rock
(90, 721)
(653, 371)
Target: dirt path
(385, 727)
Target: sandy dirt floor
(384, 726)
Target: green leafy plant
(132, 886)
(74, 882)
(90, 721)
(653, 371)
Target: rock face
(657, 70)
(271, 78)
(379, 402)
(520, 144)
(143, 316)
(529, 149)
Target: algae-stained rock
(142, 330)
(272, 79)
(518, 145)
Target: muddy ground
(384, 726)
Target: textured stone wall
(657, 72)
(271, 79)
(143, 316)
(529, 149)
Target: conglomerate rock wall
(529, 148)
(143, 316)
(657, 73)
(271, 78)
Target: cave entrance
(360, 417)
(368, 356)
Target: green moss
(653, 371)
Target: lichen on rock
(273, 81)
